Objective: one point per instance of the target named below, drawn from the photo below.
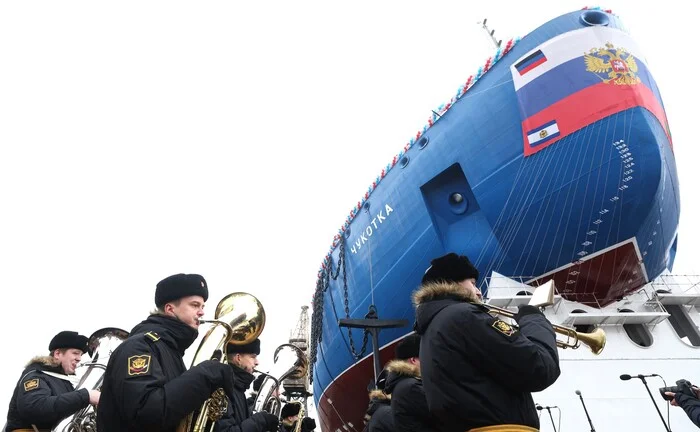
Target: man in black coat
(379, 416)
(45, 395)
(242, 360)
(290, 417)
(404, 384)
(146, 384)
(478, 371)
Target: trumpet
(594, 340)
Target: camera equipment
(682, 386)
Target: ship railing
(681, 290)
(640, 307)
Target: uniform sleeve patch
(31, 384)
(139, 364)
(503, 327)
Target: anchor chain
(322, 285)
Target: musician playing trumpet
(478, 371)
(45, 393)
(242, 360)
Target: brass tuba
(290, 362)
(101, 345)
(239, 319)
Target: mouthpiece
(578, 392)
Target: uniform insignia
(612, 65)
(139, 364)
(503, 327)
(153, 336)
(31, 384)
(543, 133)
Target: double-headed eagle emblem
(612, 65)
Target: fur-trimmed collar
(402, 367)
(44, 361)
(379, 395)
(434, 290)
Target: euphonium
(239, 319)
(101, 345)
(290, 362)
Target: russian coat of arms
(612, 65)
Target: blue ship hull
(597, 211)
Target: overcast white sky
(231, 139)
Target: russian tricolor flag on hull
(578, 78)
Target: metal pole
(375, 354)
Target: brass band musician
(45, 393)
(408, 403)
(379, 416)
(290, 419)
(146, 384)
(478, 371)
(242, 360)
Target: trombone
(594, 340)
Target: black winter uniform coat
(381, 418)
(238, 416)
(147, 386)
(691, 405)
(408, 402)
(41, 399)
(478, 370)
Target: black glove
(258, 382)
(217, 355)
(308, 424)
(526, 310)
(684, 387)
(270, 421)
(221, 376)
